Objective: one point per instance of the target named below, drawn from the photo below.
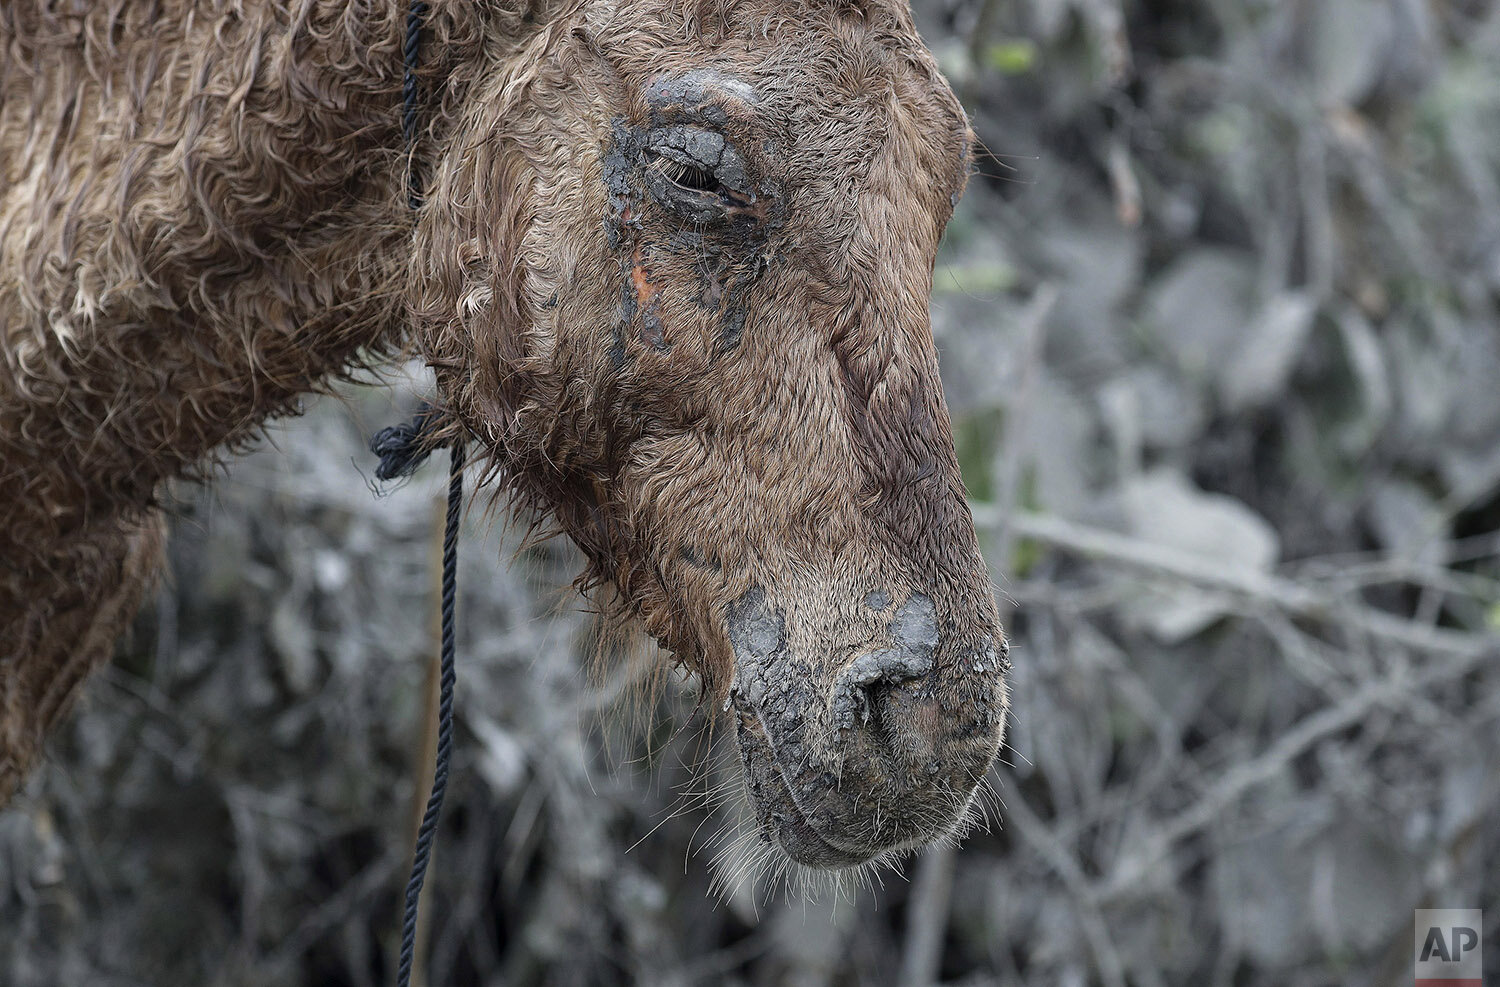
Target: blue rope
(402, 449)
(428, 828)
(411, 103)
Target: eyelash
(686, 176)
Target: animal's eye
(687, 188)
(688, 177)
(699, 175)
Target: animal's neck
(204, 217)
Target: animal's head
(676, 268)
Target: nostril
(852, 692)
(913, 629)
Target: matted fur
(737, 416)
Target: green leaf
(1014, 56)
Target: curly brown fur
(672, 273)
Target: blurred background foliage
(1218, 329)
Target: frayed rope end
(404, 448)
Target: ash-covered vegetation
(1218, 319)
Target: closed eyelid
(706, 149)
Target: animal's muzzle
(882, 753)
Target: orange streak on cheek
(644, 289)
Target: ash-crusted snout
(848, 759)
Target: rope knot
(404, 448)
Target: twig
(1032, 328)
(1095, 930)
(1241, 778)
(1296, 600)
(349, 902)
(927, 918)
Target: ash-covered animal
(672, 271)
